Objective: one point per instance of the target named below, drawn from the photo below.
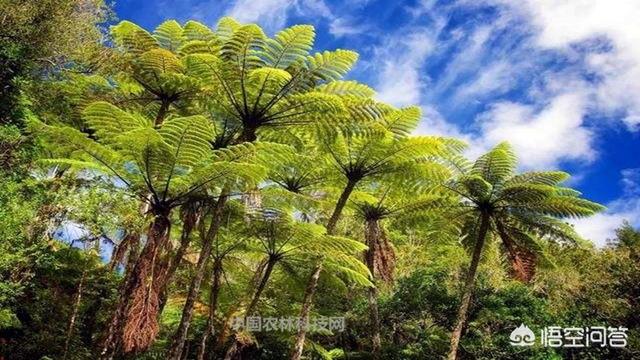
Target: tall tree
(518, 209)
(380, 151)
(259, 86)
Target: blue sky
(559, 78)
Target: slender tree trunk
(74, 313)
(342, 201)
(162, 112)
(194, 288)
(469, 286)
(237, 307)
(235, 347)
(261, 286)
(213, 304)
(376, 342)
(312, 284)
(380, 261)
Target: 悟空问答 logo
(522, 336)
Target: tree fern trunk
(380, 260)
(213, 304)
(312, 284)
(298, 346)
(134, 322)
(190, 221)
(74, 313)
(469, 286)
(235, 348)
(194, 288)
(261, 286)
(376, 342)
(342, 201)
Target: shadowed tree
(162, 166)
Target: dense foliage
(156, 187)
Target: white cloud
(561, 24)
(273, 14)
(341, 26)
(540, 138)
(400, 80)
(631, 181)
(601, 227)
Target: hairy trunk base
(468, 287)
(141, 315)
(134, 323)
(380, 257)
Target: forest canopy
(162, 190)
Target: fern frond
(289, 46)
(169, 35)
(194, 30)
(132, 38)
(347, 87)
(110, 122)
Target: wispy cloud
(400, 79)
(343, 26)
(544, 138)
(605, 33)
(273, 14)
(601, 227)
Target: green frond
(110, 122)
(349, 267)
(242, 47)
(564, 206)
(169, 35)
(226, 27)
(159, 61)
(551, 178)
(347, 87)
(199, 47)
(76, 164)
(132, 38)
(402, 122)
(497, 165)
(190, 137)
(194, 30)
(475, 187)
(331, 65)
(546, 226)
(525, 193)
(289, 46)
(364, 110)
(269, 77)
